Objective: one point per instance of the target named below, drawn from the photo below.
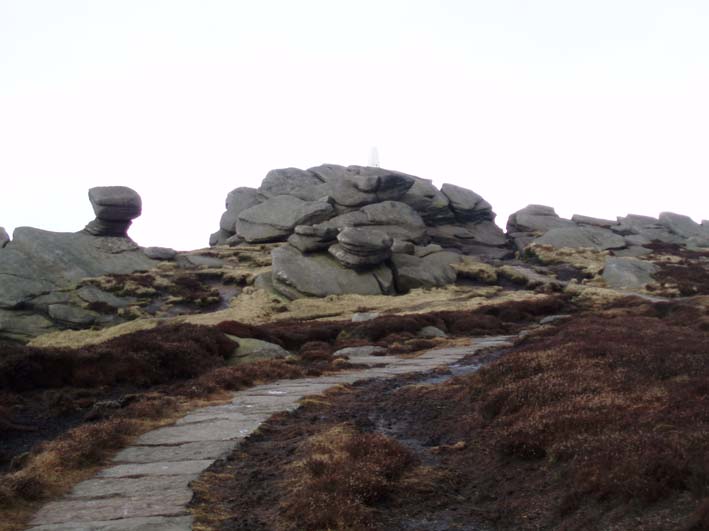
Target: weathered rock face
(115, 207)
(38, 268)
(430, 271)
(628, 273)
(466, 204)
(296, 275)
(4, 237)
(361, 248)
(406, 207)
(275, 219)
(312, 238)
(337, 218)
(541, 225)
(588, 236)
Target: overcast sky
(594, 107)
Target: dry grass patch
(340, 476)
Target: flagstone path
(148, 486)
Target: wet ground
(246, 488)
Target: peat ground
(64, 411)
(599, 422)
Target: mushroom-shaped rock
(115, 203)
(115, 208)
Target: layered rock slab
(296, 275)
(276, 218)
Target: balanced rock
(115, 208)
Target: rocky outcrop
(378, 223)
(406, 207)
(115, 207)
(626, 236)
(4, 237)
(39, 268)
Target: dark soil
(601, 422)
(689, 274)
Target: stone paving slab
(210, 415)
(164, 503)
(106, 487)
(180, 452)
(156, 523)
(148, 487)
(220, 430)
(161, 468)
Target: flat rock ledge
(148, 486)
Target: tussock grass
(342, 474)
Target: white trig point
(374, 157)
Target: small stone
(430, 332)
(71, 315)
(360, 317)
(160, 253)
(250, 349)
